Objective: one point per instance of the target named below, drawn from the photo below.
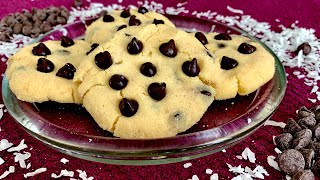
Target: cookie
(244, 65)
(150, 83)
(44, 71)
(103, 28)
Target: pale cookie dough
(46, 76)
(153, 111)
(100, 31)
(255, 65)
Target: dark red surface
(287, 11)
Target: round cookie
(103, 28)
(44, 71)
(154, 86)
(244, 65)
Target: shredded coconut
(18, 157)
(195, 177)
(37, 171)
(278, 151)
(63, 172)
(187, 165)
(238, 11)
(5, 144)
(19, 147)
(214, 176)
(248, 154)
(83, 175)
(1, 161)
(274, 123)
(273, 163)
(6, 173)
(224, 151)
(209, 171)
(64, 160)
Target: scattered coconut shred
(283, 43)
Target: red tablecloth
(307, 12)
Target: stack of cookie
(139, 76)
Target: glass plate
(70, 129)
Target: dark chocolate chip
(41, 50)
(66, 41)
(316, 147)
(228, 63)
(221, 45)
(148, 69)
(222, 36)
(307, 122)
(125, 13)
(168, 49)
(142, 10)
(93, 47)
(316, 167)
(303, 175)
(103, 60)
(307, 133)
(316, 112)
(157, 91)
(133, 21)
(156, 21)
(304, 112)
(128, 107)
(121, 27)
(292, 126)
(118, 82)
(316, 131)
(201, 37)
(135, 46)
(308, 155)
(305, 47)
(191, 68)
(246, 48)
(291, 161)
(44, 65)
(67, 71)
(284, 141)
(108, 18)
(204, 92)
(300, 142)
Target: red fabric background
(307, 12)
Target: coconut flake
(64, 160)
(278, 151)
(187, 165)
(274, 123)
(1, 161)
(7, 172)
(195, 177)
(239, 157)
(224, 151)
(209, 171)
(273, 163)
(238, 11)
(19, 147)
(214, 176)
(83, 175)
(63, 172)
(248, 154)
(18, 157)
(5, 144)
(37, 171)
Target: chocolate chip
(300, 142)
(222, 36)
(316, 112)
(303, 175)
(228, 63)
(308, 155)
(291, 161)
(156, 21)
(128, 107)
(307, 122)
(307, 133)
(148, 69)
(135, 46)
(66, 41)
(201, 37)
(93, 47)
(133, 21)
(142, 10)
(316, 167)
(121, 27)
(103, 60)
(17, 28)
(118, 82)
(157, 91)
(41, 50)
(316, 131)
(305, 47)
(168, 49)
(304, 112)
(107, 18)
(284, 141)
(191, 68)
(316, 147)
(204, 92)
(292, 126)
(44, 65)
(125, 13)
(246, 48)
(221, 45)
(67, 71)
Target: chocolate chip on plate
(201, 37)
(246, 48)
(133, 21)
(304, 112)
(135, 46)
(44, 65)
(67, 71)
(66, 41)
(142, 10)
(305, 47)
(316, 131)
(191, 68)
(156, 21)
(107, 18)
(157, 91)
(228, 63)
(303, 175)
(118, 82)
(128, 107)
(291, 161)
(222, 36)
(301, 142)
(307, 122)
(125, 13)
(308, 155)
(283, 141)
(148, 69)
(93, 47)
(204, 92)
(307, 133)
(292, 126)
(41, 50)
(121, 27)
(316, 111)
(103, 60)
(168, 49)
